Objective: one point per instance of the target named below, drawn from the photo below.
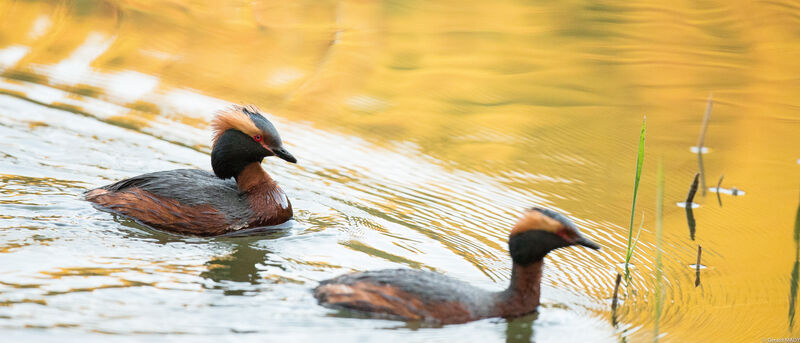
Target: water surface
(422, 130)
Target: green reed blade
(629, 253)
(639, 163)
(659, 232)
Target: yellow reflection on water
(543, 97)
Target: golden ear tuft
(251, 109)
(535, 220)
(234, 118)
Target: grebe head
(540, 231)
(242, 136)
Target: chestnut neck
(522, 295)
(253, 177)
(268, 203)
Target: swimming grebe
(407, 294)
(197, 202)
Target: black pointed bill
(587, 243)
(284, 155)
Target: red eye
(257, 138)
(563, 233)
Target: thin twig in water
(701, 141)
(795, 270)
(719, 184)
(688, 206)
(616, 292)
(701, 171)
(690, 221)
(697, 276)
(692, 191)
